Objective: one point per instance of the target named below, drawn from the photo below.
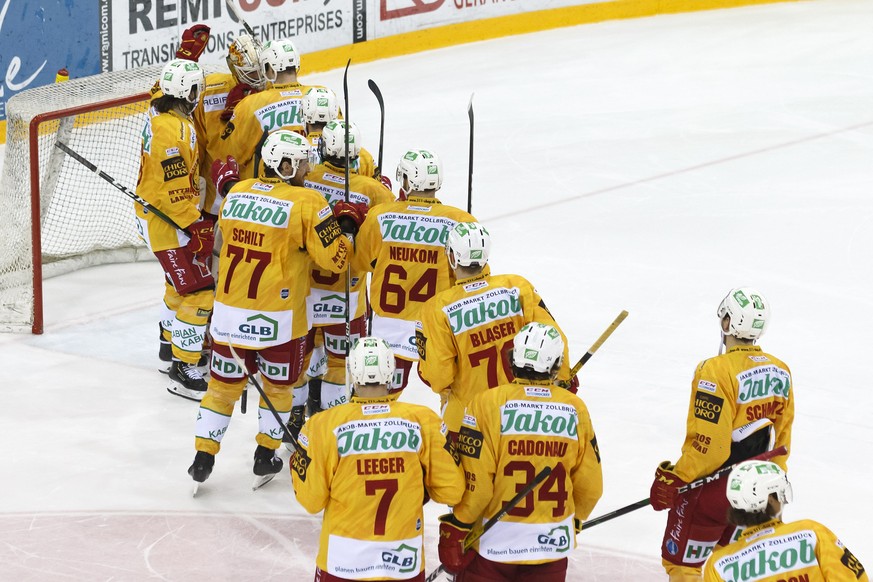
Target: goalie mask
(752, 482)
(371, 361)
(285, 145)
(333, 138)
(320, 105)
(538, 347)
(280, 55)
(182, 79)
(422, 170)
(469, 244)
(748, 311)
(244, 62)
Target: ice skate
(267, 464)
(186, 381)
(200, 469)
(165, 348)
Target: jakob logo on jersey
(707, 407)
(424, 230)
(174, 168)
(770, 557)
(763, 382)
(471, 312)
(540, 418)
(377, 436)
(257, 209)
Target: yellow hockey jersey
(466, 334)
(210, 127)
(366, 464)
(277, 107)
(326, 301)
(775, 551)
(508, 436)
(363, 165)
(734, 397)
(168, 179)
(403, 244)
(271, 232)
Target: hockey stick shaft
(346, 194)
(233, 8)
(375, 89)
(118, 185)
(596, 345)
(723, 472)
(478, 532)
(266, 399)
(470, 163)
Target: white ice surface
(647, 165)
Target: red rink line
(180, 547)
(684, 170)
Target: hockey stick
(241, 364)
(346, 197)
(470, 166)
(119, 186)
(232, 5)
(478, 531)
(596, 345)
(723, 472)
(375, 89)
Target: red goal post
(56, 216)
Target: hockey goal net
(57, 215)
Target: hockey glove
(451, 548)
(350, 215)
(235, 95)
(572, 385)
(202, 239)
(665, 487)
(386, 181)
(225, 175)
(193, 42)
(577, 524)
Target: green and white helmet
(333, 138)
(320, 105)
(749, 313)
(283, 144)
(538, 347)
(280, 55)
(422, 170)
(468, 244)
(371, 361)
(751, 483)
(179, 77)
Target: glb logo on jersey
(557, 540)
(260, 327)
(388, 435)
(539, 418)
(762, 383)
(423, 230)
(257, 209)
(770, 557)
(471, 312)
(404, 558)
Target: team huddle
(268, 167)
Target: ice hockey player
(370, 464)
(770, 549)
(403, 244)
(741, 401)
(503, 447)
(168, 180)
(280, 106)
(320, 107)
(260, 305)
(326, 302)
(467, 331)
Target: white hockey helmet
(422, 170)
(538, 347)
(244, 62)
(182, 79)
(283, 144)
(320, 105)
(280, 55)
(749, 313)
(333, 138)
(468, 244)
(751, 483)
(371, 361)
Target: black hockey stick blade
(378, 93)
